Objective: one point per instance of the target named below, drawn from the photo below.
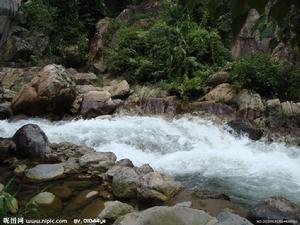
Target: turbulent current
(197, 152)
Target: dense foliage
(271, 79)
(175, 50)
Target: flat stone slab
(45, 172)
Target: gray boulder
(31, 142)
(45, 172)
(125, 183)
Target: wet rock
(217, 78)
(227, 218)
(223, 93)
(125, 163)
(118, 89)
(96, 103)
(115, 209)
(166, 105)
(95, 157)
(250, 105)
(45, 172)
(144, 169)
(4, 112)
(218, 109)
(205, 194)
(48, 204)
(242, 127)
(158, 187)
(275, 208)
(7, 146)
(125, 183)
(84, 198)
(51, 91)
(31, 142)
(162, 215)
(61, 191)
(19, 170)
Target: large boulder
(31, 142)
(96, 103)
(45, 172)
(162, 215)
(223, 93)
(275, 209)
(250, 104)
(157, 186)
(118, 89)
(125, 183)
(52, 91)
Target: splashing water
(197, 151)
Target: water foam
(199, 152)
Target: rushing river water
(196, 151)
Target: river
(197, 152)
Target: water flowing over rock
(276, 208)
(161, 215)
(243, 127)
(51, 91)
(31, 142)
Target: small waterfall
(197, 151)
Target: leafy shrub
(267, 77)
(168, 53)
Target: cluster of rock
(247, 111)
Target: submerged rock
(31, 142)
(162, 215)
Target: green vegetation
(178, 52)
(9, 204)
(267, 77)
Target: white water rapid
(196, 151)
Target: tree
(279, 17)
